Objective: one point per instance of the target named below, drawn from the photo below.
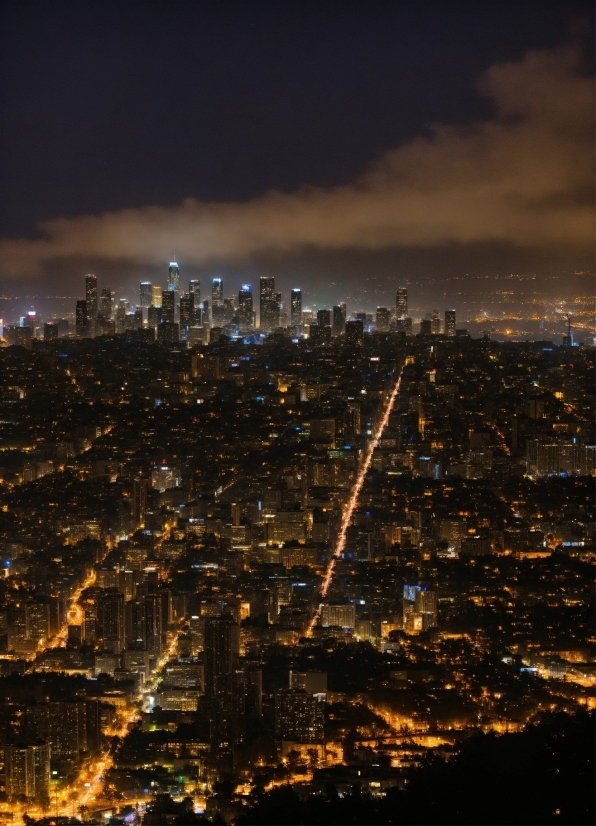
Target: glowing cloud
(524, 177)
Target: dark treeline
(542, 775)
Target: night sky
(114, 108)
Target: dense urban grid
(309, 555)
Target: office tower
(401, 302)
(105, 303)
(426, 605)
(187, 311)
(174, 277)
(383, 319)
(404, 325)
(155, 623)
(228, 311)
(67, 729)
(339, 319)
(324, 318)
(27, 772)
(82, 319)
(342, 616)
(37, 622)
(146, 294)
(91, 295)
(217, 303)
(277, 310)
(205, 315)
(140, 494)
(154, 316)
(156, 293)
(354, 332)
(295, 307)
(436, 323)
(135, 319)
(352, 418)
(268, 306)
(299, 716)
(245, 308)
(221, 652)
(217, 296)
(194, 288)
(419, 608)
(168, 305)
(450, 323)
(110, 620)
(50, 331)
(426, 327)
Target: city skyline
(297, 438)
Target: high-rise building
(299, 716)
(91, 295)
(146, 294)
(342, 616)
(404, 325)
(268, 307)
(168, 306)
(110, 620)
(155, 623)
(222, 648)
(194, 288)
(50, 331)
(450, 323)
(383, 319)
(339, 319)
(436, 323)
(296, 307)
(154, 316)
(401, 302)
(105, 303)
(140, 494)
(217, 295)
(419, 608)
(155, 296)
(82, 319)
(324, 318)
(354, 332)
(217, 303)
(174, 277)
(245, 308)
(187, 311)
(27, 770)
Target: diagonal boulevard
(353, 503)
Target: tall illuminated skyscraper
(245, 307)
(401, 302)
(168, 305)
(174, 277)
(295, 307)
(105, 303)
(222, 648)
(383, 319)
(155, 296)
(91, 295)
(268, 306)
(187, 311)
(194, 288)
(339, 319)
(450, 323)
(217, 292)
(436, 323)
(146, 294)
